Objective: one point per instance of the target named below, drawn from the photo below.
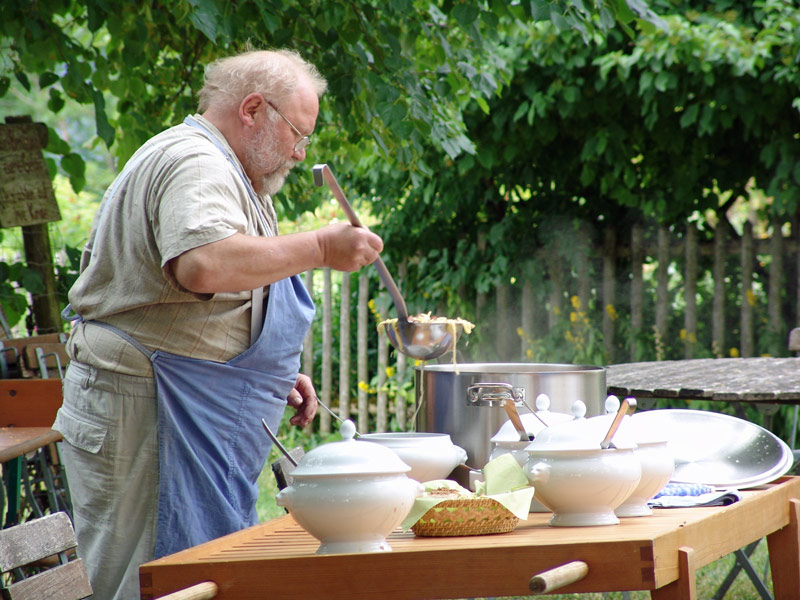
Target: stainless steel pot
(468, 404)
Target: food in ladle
(427, 318)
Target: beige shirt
(182, 195)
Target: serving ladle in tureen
(418, 339)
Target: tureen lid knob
(612, 404)
(578, 409)
(347, 429)
(542, 402)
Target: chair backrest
(24, 549)
(35, 356)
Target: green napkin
(505, 482)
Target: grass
(709, 577)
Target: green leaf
(32, 281)
(76, 169)
(104, 128)
(466, 14)
(56, 101)
(55, 144)
(23, 79)
(5, 83)
(205, 17)
(689, 115)
(47, 79)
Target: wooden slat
(29, 402)
(32, 540)
(64, 582)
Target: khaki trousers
(110, 453)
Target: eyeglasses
(304, 139)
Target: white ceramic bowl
(658, 464)
(350, 495)
(580, 482)
(430, 455)
(657, 468)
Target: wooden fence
(653, 274)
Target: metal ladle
(419, 340)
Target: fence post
(637, 287)
(690, 289)
(344, 347)
(776, 342)
(746, 341)
(609, 290)
(363, 350)
(718, 303)
(327, 337)
(527, 318)
(381, 419)
(662, 289)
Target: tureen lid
(349, 458)
(580, 434)
(534, 423)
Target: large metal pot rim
(510, 368)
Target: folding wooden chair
(37, 554)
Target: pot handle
(461, 455)
(284, 497)
(494, 394)
(539, 473)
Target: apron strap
(128, 338)
(257, 300)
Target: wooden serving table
(660, 553)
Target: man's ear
(249, 107)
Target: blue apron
(212, 446)
(211, 443)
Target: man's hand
(347, 248)
(303, 398)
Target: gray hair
(272, 73)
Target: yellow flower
(692, 338)
(573, 317)
(612, 312)
(734, 353)
(529, 353)
(683, 335)
(520, 332)
(556, 311)
(371, 304)
(750, 297)
(576, 302)
(390, 371)
(363, 386)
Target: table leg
(784, 556)
(685, 587)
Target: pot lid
(580, 434)
(349, 458)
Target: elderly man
(190, 317)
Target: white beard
(262, 156)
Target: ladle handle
(280, 446)
(323, 173)
(625, 405)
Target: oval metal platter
(718, 449)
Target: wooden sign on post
(27, 201)
(26, 192)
